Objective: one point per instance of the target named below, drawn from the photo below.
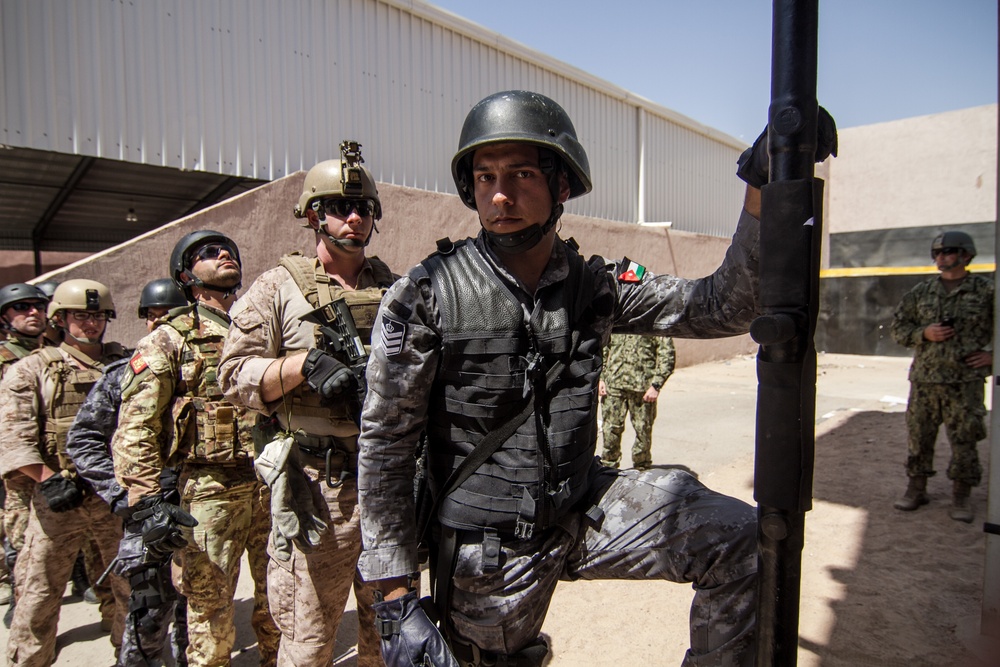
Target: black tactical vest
(494, 358)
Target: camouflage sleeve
(665, 360)
(907, 329)
(88, 442)
(721, 304)
(147, 390)
(20, 410)
(253, 342)
(405, 349)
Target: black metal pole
(791, 233)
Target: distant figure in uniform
(948, 321)
(635, 368)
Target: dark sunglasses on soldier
(945, 251)
(25, 306)
(212, 251)
(342, 207)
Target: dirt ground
(879, 586)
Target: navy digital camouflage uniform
(633, 364)
(657, 524)
(89, 445)
(943, 389)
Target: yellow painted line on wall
(868, 271)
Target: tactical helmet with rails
(521, 116)
(182, 257)
(15, 292)
(160, 293)
(82, 294)
(953, 239)
(346, 178)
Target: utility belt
(328, 453)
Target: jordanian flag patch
(631, 272)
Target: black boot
(79, 577)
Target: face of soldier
(345, 220)
(947, 259)
(83, 326)
(154, 313)
(26, 317)
(215, 264)
(511, 190)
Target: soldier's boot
(79, 578)
(961, 506)
(914, 496)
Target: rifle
(339, 336)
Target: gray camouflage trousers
(308, 592)
(44, 565)
(960, 407)
(614, 407)
(658, 524)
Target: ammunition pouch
(151, 588)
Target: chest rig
(206, 427)
(321, 291)
(496, 355)
(69, 388)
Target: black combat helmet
(15, 292)
(180, 259)
(160, 293)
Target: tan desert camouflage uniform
(40, 397)
(633, 364)
(943, 389)
(267, 326)
(170, 387)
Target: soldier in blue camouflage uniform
(635, 368)
(173, 413)
(948, 320)
(88, 444)
(513, 323)
(22, 322)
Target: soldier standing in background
(278, 361)
(89, 446)
(39, 399)
(948, 320)
(634, 370)
(171, 378)
(22, 322)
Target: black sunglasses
(945, 251)
(25, 306)
(342, 207)
(212, 251)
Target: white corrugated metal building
(261, 89)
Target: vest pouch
(182, 420)
(216, 440)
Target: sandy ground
(879, 586)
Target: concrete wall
(262, 224)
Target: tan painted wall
(927, 170)
(262, 224)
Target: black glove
(408, 635)
(325, 375)
(61, 494)
(754, 164)
(161, 526)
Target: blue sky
(879, 60)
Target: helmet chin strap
(226, 292)
(523, 240)
(344, 244)
(84, 341)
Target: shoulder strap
(303, 272)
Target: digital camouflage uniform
(89, 446)
(18, 487)
(632, 364)
(943, 389)
(170, 387)
(41, 395)
(657, 524)
(309, 590)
